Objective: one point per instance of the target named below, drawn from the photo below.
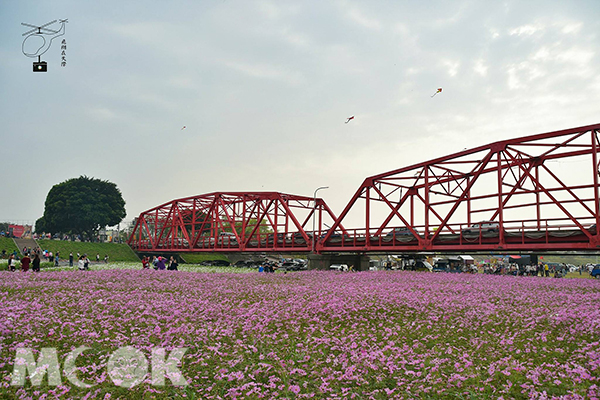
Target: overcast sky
(264, 89)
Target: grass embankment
(7, 244)
(115, 251)
(197, 258)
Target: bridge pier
(323, 261)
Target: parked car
(297, 237)
(227, 239)
(420, 265)
(290, 266)
(339, 267)
(401, 231)
(336, 236)
(481, 227)
(271, 238)
(596, 271)
(592, 229)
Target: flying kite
(437, 91)
(183, 127)
(349, 119)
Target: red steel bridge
(534, 193)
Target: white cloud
(522, 74)
(101, 113)
(452, 66)
(572, 27)
(526, 30)
(275, 10)
(480, 67)
(357, 15)
(266, 71)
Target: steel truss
(538, 192)
(230, 222)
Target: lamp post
(313, 217)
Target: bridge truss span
(232, 222)
(538, 192)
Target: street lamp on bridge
(313, 216)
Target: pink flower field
(368, 335)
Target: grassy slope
(196, 258)
(116, 252)
(8, 245)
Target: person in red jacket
(25, 261)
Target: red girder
(506, 182)
(521, 185)
(259, 221)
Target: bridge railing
(468, 236)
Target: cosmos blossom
(313, 334)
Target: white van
(481, 227)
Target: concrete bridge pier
(323, 261)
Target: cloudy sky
(264, 88)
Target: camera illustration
(41, 66)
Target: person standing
(172, 264)
(160, 264)
(86, 262)
(25, 261)
(35, 265)
(56, 258)
(12, 263)
(70, 259)
(145, 262)
(97, 257)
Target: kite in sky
(437, 91)
(349, 119)
(183, 127)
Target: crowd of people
(160, 263)
(33, 257)
(540, 269)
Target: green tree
(188, 216)
(263, 228)
(82, 206)
(40, 225)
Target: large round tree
(82, 206)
